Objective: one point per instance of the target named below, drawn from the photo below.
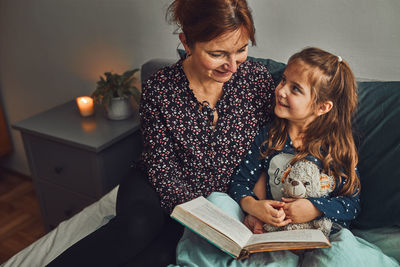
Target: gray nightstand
(75, 160)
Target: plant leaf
(107, 98)
(114, 85)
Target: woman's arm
(160, 153)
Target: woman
(199, 117)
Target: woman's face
(219, 58)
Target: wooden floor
(20, 219)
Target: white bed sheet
(67, 233)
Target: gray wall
(366, 33)
(54, 50)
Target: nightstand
(75, 160)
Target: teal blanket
(346, 250)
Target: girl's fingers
(288, 200)
(277, 204)
(281, 213)
(279, 219)
(274, 213)
(286, 210)
(285, 222)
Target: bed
(378, 137)
(68, 232)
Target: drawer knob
(58, 170)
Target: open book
(233, 237)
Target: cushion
(153, 65)
(377, 128)
(275, 68)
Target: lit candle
(85, 105)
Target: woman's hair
(204, 20)
(329, 137)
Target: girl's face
(219, 58)
(293, 97)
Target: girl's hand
(268, 211)
(300, 210)
(254, 224)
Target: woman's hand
(254, 224)
(300, 210)
(268, 211)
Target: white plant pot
(119, 109)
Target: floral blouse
(184, 156)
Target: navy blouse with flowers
(184, 156)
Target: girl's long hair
(329, 137)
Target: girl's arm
(249, 170)
(340, 209)
(243, 188)
(260, 186)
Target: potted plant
(114, 92)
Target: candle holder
(85, 105)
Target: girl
(314, 104)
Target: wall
(365, 33)
(52, 51)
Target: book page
(218, 219)
(303, 235)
